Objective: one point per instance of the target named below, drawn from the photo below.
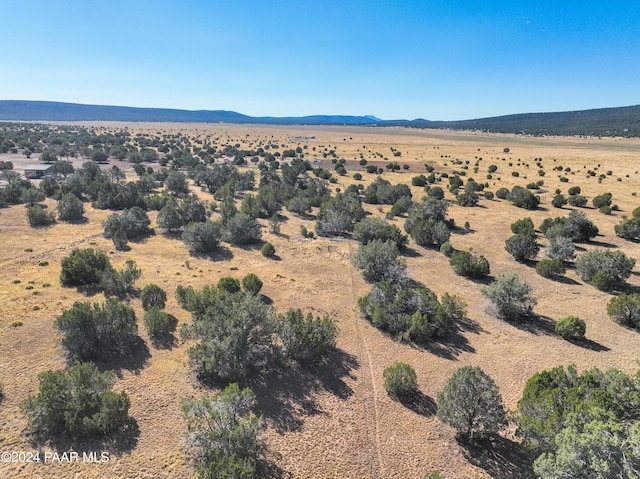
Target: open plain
(334, 420)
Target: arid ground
(335, 421)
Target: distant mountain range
(620, 121)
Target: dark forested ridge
(619, 121)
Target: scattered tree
(400, 381)
(511, 297)
(471, 403)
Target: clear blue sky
(454, 59)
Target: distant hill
(620, 121)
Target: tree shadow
(286, 399)
(565, 280)
(410, 252)
(419, 403)
(220, 254)
(591, 345)
(135, 361)
(499, 457)
(118, 442)
(268, 469)
(602, 244)
(536, 324)
(449, 346)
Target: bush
(465, 264)
(369, 229)
(574, 190)
(604, 269)
(235, 333)
(78, 402)
(305, 339)
(158, 323)
(558, 201)
(202, 237)
(39, 216)
(625, 310)
(550, 268)
(502, 193)
(153, 296)
(488, 195)
(577, 201)
(134, 222)
(84, 267)
(268, 250)
(471, 404)
(379, 261)
(98, 332)
(400, 381)
(523, 198)
(629, 229)
(252, 284)
(70, 208)
(522, 247)
(571, 328)
(602, 200)
(120, 283)
(523, 227)
(560, 248)
(229, 284)
(447, 249)
(408, 313)
(120, 240)
(223, 437)
(511, 297)
(242, 230)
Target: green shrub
(242, 229)
(522, 247)
(447, 249)
(558, 201)
(574, 190)
(378, 261)
(466, 264)
(304, 338)
(577, 200)
(625, 310)
(158, 323)
(502, 193)
(629, 229)
(268, 250)
(571, 328)
(252, 284)
(223, 434)
(153, 296)
(120, 240)
(604, 269)
(602, 200)
(78, 402)
(488, 195)
(70, 208)
(400, 380)
(39, 216)
(369, 229)
(523, 226)
(523, 198)
(511, 297)
(550, 268)
(471, 403)
(202, 237)
(134, 222)
(84, 267)
(98, 332)
(229, 284)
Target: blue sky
(393, 59)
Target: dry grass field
(336, 421)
